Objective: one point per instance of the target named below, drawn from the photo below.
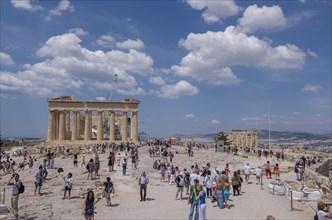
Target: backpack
(108, 187)
(316, 216)
(181, 182)
(21, 189)
(87, 166)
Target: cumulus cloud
(189, 116)
(70, 67)
(64, 5)
(212, 53)
(78, 31)
(215, 121)
(157, 80)
(106, 41)
(5, 59)
(215, 11)
(311, 88)
(265, 18)
(25, 4)
(181, 88)
(130, 44)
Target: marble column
(90, 125)
(134, 126)
(100, 127)
(74, 127)
(87, 130)
(78, 124)
(62, 126)
(67, 114)
(112, 126)
(50, 132)
(56, 125)
(124, 127)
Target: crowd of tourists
(194, 184)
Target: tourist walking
(83, 161)
(179, 184)
(268, 170)
(246, 171)
(88, 206)
(39, 175)
(91, 168)
(235, 183)
(226, 191)
(276, 171)
(75, 160)
(193, 202)
(220, 193)
(97, 165)
(201, 202)
(124, 166)
(111, 161)
(44, 166)
(109, 188)
(31, 162)
(143, 182)
(208, 184)
(15, 193)
(69, 180)
(258, 173)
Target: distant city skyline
(198, 66)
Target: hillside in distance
(264, 134)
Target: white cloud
(311, 88)
(189, 116)
(266, 18)
(157, 80)
(64, 5)
(296, 113)
(215, 11)
(69, 67)
(25, 4)
(311, 53)
(78, 31)
(212, 53)
(253, 119)
(106, 41)
(5, 59)
(130, 44)
(215, 121)
(100, 98)
(182, 88)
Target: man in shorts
(39, 175)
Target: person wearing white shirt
(69, 180)
(246, 171)
(258, 172)
(323, 212)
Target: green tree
(221, 136)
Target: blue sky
(197, 66)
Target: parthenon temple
(76, 121)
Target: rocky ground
(254, 203)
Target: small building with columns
(71, 120)
(243, 138)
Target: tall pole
(268, 110)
